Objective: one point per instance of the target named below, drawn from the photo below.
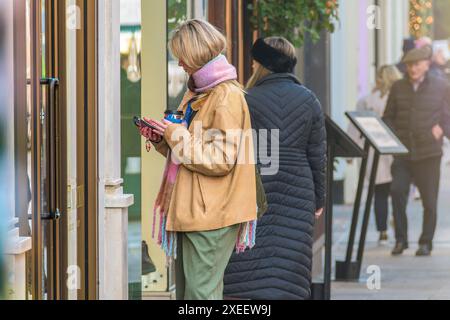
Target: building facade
(68, 214)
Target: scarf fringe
(246, 236)
(167, 240)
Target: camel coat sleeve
(213, 153)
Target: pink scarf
(166, 240)
(212, 74)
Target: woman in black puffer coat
(279, 266)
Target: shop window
(179, 11)
(130, 75)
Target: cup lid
(175, 112)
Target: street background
(406, 277)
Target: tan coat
(211, 196)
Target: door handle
(54, 215)
(53, 147)
(48, 216)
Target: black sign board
(377, 132)
(338, 139)
(339, 145)
(378, 136)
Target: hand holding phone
(147, 129)
(143, 123)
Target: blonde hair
(196, 42)
(282, 45)
(387, 75)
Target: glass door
(44, 150)
(56, 145)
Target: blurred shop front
(67, 236)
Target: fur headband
(272, 59)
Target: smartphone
(141, 122)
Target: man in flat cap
(418, 110)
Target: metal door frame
(57, 157)
(36, 72)
(87, 149)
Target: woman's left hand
(319, 213)
(161, 126)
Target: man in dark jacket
(418, 110)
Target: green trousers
(202, 258)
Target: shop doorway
(56, 185)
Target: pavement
(405, 277)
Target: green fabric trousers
(202, 258)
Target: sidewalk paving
(406, 277)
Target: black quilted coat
(279, 266)
(412, 115)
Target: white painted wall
(197, 9)
(130, 12)
(113, 204)
(395, 17)
(352, 59)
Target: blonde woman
(376, 102)
(207, 203)
(279, 266)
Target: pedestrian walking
(418, 110)
(438, 62)
(439, 65)
(376, 103)
(206, 207)
(279, 266)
